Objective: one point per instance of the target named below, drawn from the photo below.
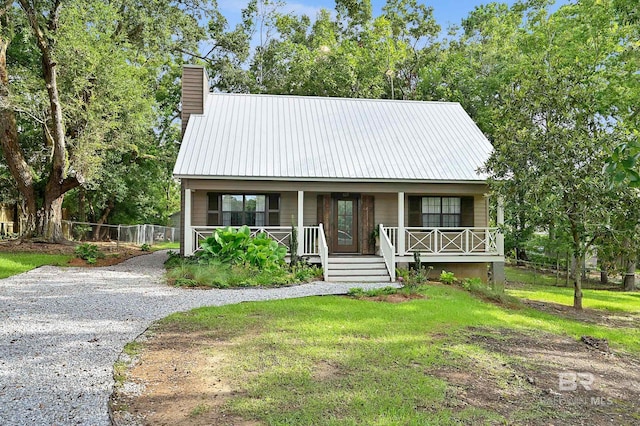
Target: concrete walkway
(63, 329)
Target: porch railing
(388, 252)
(280, 234)
(447, 241)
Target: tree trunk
(630, 276)
(103, 219)
(10, 147)
(58, 182)
(51, 221)
(577, 286)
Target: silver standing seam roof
(269, 137)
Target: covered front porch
(334, 226)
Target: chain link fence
(127, 234)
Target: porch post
(401, 244)
(301, 239)
(500, 222)
(188, 233)
(497, 268)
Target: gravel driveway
(63, 329)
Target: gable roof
(270, 137)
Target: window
(243, 209)
(441, 211)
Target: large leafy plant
(226, 245)
(236, 246)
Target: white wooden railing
(447, 241)
(310, 240)
(388, 252)
(280, 234)
(323, 250)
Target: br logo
(570, 380)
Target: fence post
(118, 241)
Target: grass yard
(544, 290)
(446, 359)
(16, 263)
(167, 245)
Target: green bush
(89, 252)
(384, 291)
(226, 245)
(145, 247)
(187, 273)
(236, 246)
(447, 277)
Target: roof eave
(334, 180)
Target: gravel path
(63, 329)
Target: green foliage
(89, 252)
(447, 277)
(358, 292)
(226, 245)
(192, 273)
(264, 253)
(236, 246)
(145, 247)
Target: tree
(98, 66)
(553, 130)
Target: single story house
(366, 183)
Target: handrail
(452, 240)
(323, 248)
(388, 252)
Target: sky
(446, 12)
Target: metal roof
(319, 138)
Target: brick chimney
(195, 87)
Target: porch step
(357, 269)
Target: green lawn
(333, 360)
(542, 288)
(168, 245)
(16, 263)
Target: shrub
(89, 252)
(265, 253)
(447, 277)
(226, 245)
(384, 291)
(145, 247)
(236, 246)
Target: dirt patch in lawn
(114, 253)
(394, 298)
(542, 379)
(175, 380)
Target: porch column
(188, 233)
(301, 239)
(401, 244)
(500, 222)
(497, 268)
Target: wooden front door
(345, 231)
